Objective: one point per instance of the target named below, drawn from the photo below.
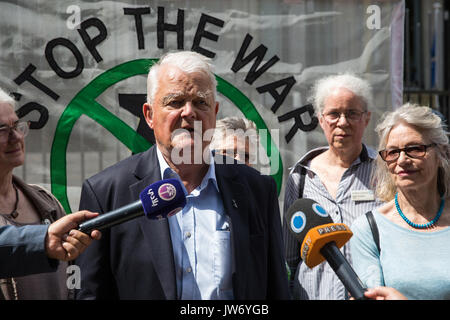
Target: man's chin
(344, 143)
(189, 153)
(183, 146)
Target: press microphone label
(152, 197)
(331, 228)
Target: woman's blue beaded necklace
(420, 226)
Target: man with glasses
(236, 138)
(336, 176)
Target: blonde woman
(412, 175)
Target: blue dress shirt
(201, 240)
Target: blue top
(22, 251)
(201, 240)
(413, 262)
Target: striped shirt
(321, 282)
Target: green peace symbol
(84, 103)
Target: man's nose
(342, 120)
(14, 135)
(188, 110)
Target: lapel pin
(234, 203)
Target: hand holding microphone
(157, 201)
(321, 239)
(64, 243)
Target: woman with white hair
(337, 176)
(413, 176)
(24, 204)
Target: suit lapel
(156, 232)
(233, 195)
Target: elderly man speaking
(336, 176)
(226, 243)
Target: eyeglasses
(20, 128)
(415, 151)
(351, 116)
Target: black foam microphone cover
(303, 215)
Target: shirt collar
(167, 172)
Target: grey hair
(235, 123)
(431, 127)
(324, 86)
(232, 125)
(6, 98)
(187, 61)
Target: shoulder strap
(301, 185)
(374, 228)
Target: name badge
(363, 195)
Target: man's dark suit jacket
(135, 260)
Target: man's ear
(217, 107)
(322, 121)
(368, 114)
(148, 114)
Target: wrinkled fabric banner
(78, 73)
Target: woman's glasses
(414, 151)
(19, 127)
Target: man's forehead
(5, 107)
(175, 83)
(169, 72)
(343, 95)
(354, 104)
(7, 114)
(174, 73)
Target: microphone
(159, 200)
(321, 239)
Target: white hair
(235, 123)
(324, 86)
(431, 127)
(187, 61)
(233, 126)
(6, 98)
